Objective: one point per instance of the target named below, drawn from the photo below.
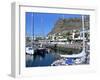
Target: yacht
(82, 55)
(29, 50)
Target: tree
(69, 36)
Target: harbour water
(50, 58)
(45, 59)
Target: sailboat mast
(42, 27)
(32, 30)
(83, 32)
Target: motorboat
(29, 50)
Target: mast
(42, 28)
(83, 33)
(32, 30)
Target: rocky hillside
(69, 24)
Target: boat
(82, 54)
(40, 51)
(80, 57)
(29, 50)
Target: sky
(40, 24)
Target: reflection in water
(40, 59)
(45, 58)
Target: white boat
(29, 50)
(82, 54)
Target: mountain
(68, 24)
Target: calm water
(45, 59)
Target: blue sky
(40, 24)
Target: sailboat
(81, 56)
(29, 49)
